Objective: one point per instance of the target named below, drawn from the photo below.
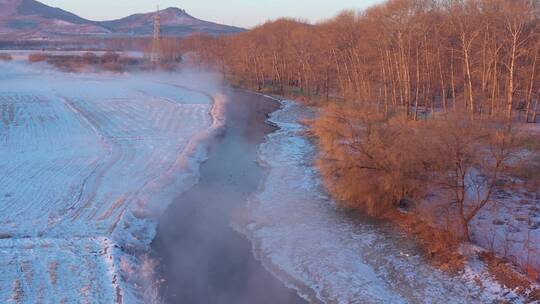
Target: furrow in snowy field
(329, 256)
(57, 270)
(87, 165)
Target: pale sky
(244, 13)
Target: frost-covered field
(305, 240)
(87, 164)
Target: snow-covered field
(87, 164)
(331, 257)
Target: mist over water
(101, 155)
(201, 257)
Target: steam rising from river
(204, 259)
(141, 271)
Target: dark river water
(202, 258)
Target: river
(294, 229)
(202, 258)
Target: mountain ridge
(33, 20)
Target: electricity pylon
(155, 56)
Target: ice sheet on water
(87, 163)
(302, 237)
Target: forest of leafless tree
(427, 105)
(403, 56)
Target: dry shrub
(5, 57)
(449, 167)
(376, 164)
(373, 163)
(88, 61)
(110, 57)
(90, 58)
(368, 162)
(36, 57)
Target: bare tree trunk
(460, 193)
(392, 79)
(327, 83)
(469, 76)
(510, 92)
(453, 81)
(531, 85)
(339, 74)
(385, 87)
(485, 65)
(443, 85)
(417, 84)
(400, 81)
(466, 232)
(495, 81)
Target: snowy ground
(331, 257)
(87, 164)
(510, 226)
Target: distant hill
(32, 20)
(174, 22)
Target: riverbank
(202, 259)
(299, 232)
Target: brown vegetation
(170, 51)
(404, 55)
(421, 99)
(5, 57)
(37, 57)
(510, 277)
(378, 164)
(109, 61)
(420, 102)
(439, 245)
(432, 177)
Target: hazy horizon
(242, 13)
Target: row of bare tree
(403, 80)
(404, 55)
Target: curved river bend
(295, 229)
(202, 258)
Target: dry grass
(143, 277)
(17, 294)
(439, 246)
(509, 276)
(53, 272)
(109, 61)
(5, 57)
(36, 57)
